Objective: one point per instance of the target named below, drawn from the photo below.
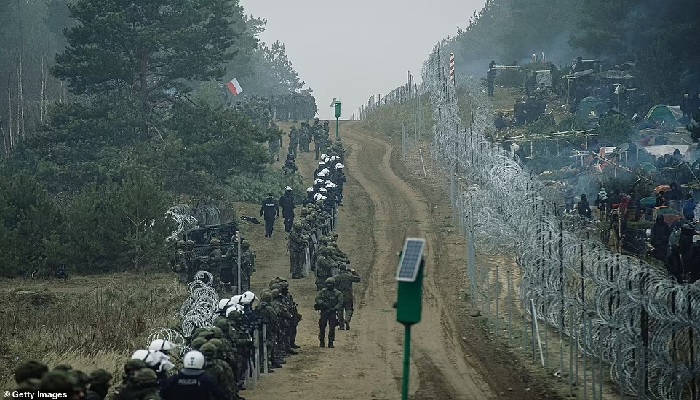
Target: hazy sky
(353, 49)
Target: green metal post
(336, 129)
(406, 361)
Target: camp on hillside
(663, 115)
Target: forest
(658, 37)
(113, 111)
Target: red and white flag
(234, 87)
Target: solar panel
(410, 260)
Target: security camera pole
(410, 298)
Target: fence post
(264, 344)
(510, 307)
(498, 294)
(256, 357)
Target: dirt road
(381, 209)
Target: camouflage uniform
(324, 270)
(269, 317)
(275, 142)
(215, 261)
(127, 383)
(293, 141)
(247, 265)
(100, 381)
(329, 302)
(343, 282)
(296, 317)
(297, 251)
(285, 323)
(143, 386)
(218, 370)
(240, 337)
(304, 137)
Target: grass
(86, 322)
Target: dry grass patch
(87, 322)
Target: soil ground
(452, 355)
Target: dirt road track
(380, 211)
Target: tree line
(115, 110)
(659, 37)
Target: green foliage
(29, 225)
(107, 227)
(219, 141)
(119, 225)
(147, 48)
(614, 128)
(253, 187)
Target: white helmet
(288, 188)
(150, 357)
(326, 170)
(236, 299)
(328, 159)
(318, 196)
(160, 345)
(330, 184)
(324, 156)
(140, 355)
(247, 297)
(235, 307)
(323, 173)
(310, 189)
(322, 190)
(323, 197)
(321, 162)
(193, 360)
(333, 158)
(339, 166)
(317, 181)
(223, 303)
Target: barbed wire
(631, 314)
(199, 309)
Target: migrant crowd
(674, 237)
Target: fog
(352, 50)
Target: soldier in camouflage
(293, 141)
(247, 264)
(298, 241)
(284, 323)
(130, 368)
(218, 370)
(296, 316)
(328, 302)
(275, 142)
(268, 316)
(343, 281)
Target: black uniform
(287, 204)
(269, 211)
(184, 386)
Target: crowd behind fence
(613, 316)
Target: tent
(663, 114)
(589, 109)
